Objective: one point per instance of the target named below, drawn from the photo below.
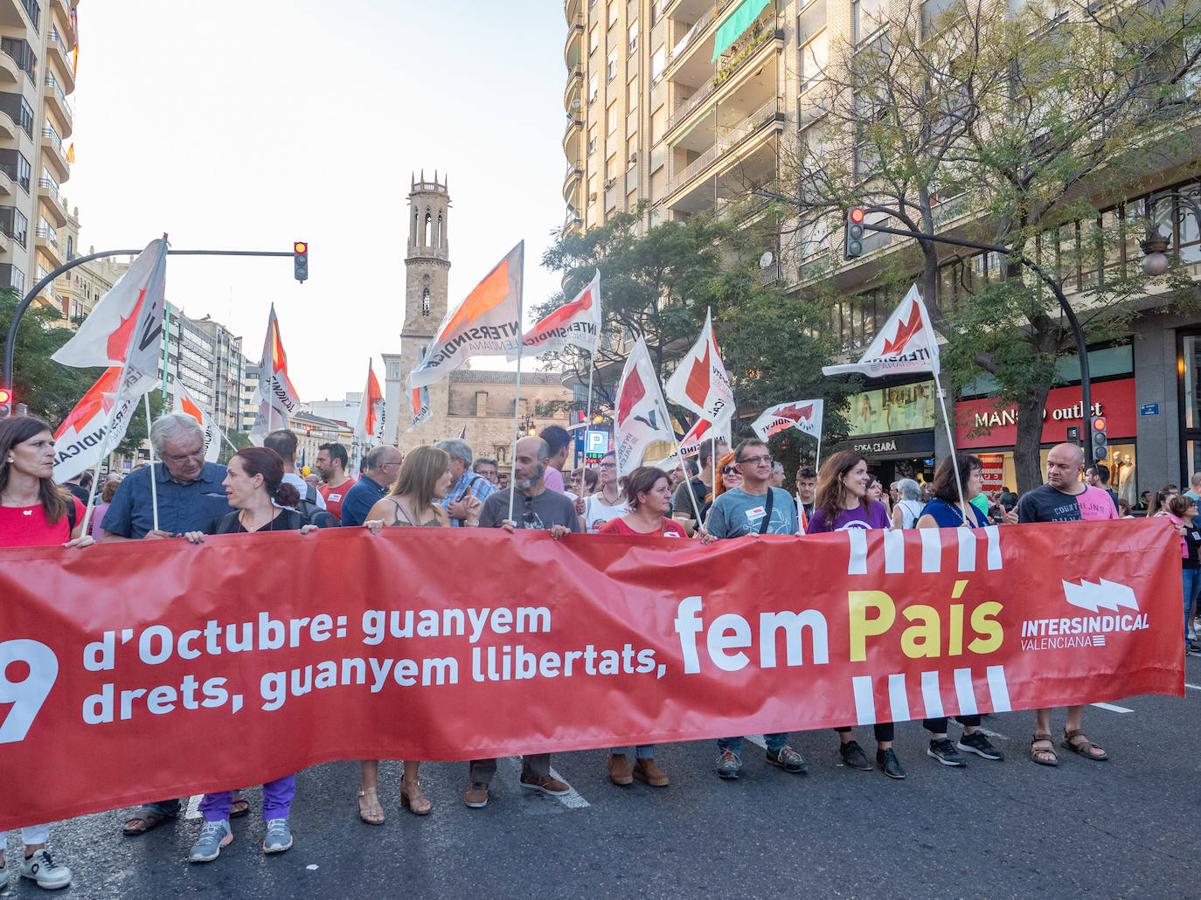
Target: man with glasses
(380, 468)
(535, 506)
(190, 498)
(189, 490)
(754, 507)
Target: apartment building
(37, 76)
(76, 292)
(206, 358)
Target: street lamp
(1155, 245)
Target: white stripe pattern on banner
(964, 692)
(967, 549)
(998, 689)
(894, 552)
(931, 549)
(865, 700)
(858, 561)
(897, 698)
(931, 696)
(994, 547)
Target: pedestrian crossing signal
(300, 260)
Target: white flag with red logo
(80, 439)
(906, 343)
(804, 415)
(700, 381)
(574, 324)
(640, 418)
(487, 322)
(275, 398)
(183, 402)
(126, 326)
(702, 432)
(369, 428)
(419, 406)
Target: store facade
(893, 428)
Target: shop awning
(735, 24)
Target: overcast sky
(250, 124)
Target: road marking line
(995, 734)
(1111, 707)
(193, 807)
(1193, 687)
(757, 740)
(572, 799)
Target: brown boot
(619, 769)
(646, 771)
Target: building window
(427, 230)
(593, 40)
(867, 18)
(611, 66)
(593, 87)
(632, 38)
(658, 63)
(814, 56)
(425, 302)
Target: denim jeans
(277, 801)
(774, 742)
(1192, 581)
(169, 808)
(642, 751)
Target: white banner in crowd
(700, 381)
(906, 343)
(275, 398)
(574, 324)
(419, 406)
(183, 402)
(702, 431)
(804, 415)
(640, 418)
(486, 323)
(79, 442)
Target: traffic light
(6, 402)
(854, 237)
(1100, 439)
(300, 260)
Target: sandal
(1044, 756)
(240, 808)
(1077, 741)
(370, 810)
(412, 799)
(147, 821)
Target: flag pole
(153, 486)
(108, 428)
(951, 441)
(687, 480)
(817, 458)
(591, 372)
(517, 386)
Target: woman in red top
(35, 512)
(648, 492)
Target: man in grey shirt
(534, 507)
(754, 508)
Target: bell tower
(427, 267)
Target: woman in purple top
(841, 504)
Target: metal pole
(11, 341)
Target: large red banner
(137, 671)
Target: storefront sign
(989, 423)
(992, 471)
(888, 410)
(900, 446)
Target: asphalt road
(1123, 828)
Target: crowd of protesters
(731, 493)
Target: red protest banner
(138, 671)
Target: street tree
(49, 389)
(1029, 128)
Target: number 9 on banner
(28, 694)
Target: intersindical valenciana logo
(1112, 609)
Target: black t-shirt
(1192, 537)
(286, 520)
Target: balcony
(52, 201)
(53, 145)
(572, 53)
(10, 70)
(572, 180)
(6, 184)
(8, 128)
(571, 10)
(574, 137)
(20, 14)
(58, 51)
(57, 99)
(575, 87)
(743, 140)
(47, 241)
(748, 72)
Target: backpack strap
(766, 523)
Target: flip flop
(149, 821)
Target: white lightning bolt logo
(1102, 595)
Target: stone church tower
(427, 266)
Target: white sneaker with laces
(44, 871)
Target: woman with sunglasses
(607, 503)
(35, 512)
(728, 478)
(843, 504)
(424, 479)
(648, 495)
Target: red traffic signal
(6, 402)
(1099, 423)
(6, 395)
(856, 215)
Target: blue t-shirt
(359, 500)
(181, 507)
(736, 513)
(949, 515)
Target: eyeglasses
(757, 460)
(730, 470)
(607, 466)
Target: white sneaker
(43, 870)
(3, 877)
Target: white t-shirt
(302, 486)
(597, 512)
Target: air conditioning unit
(634, 157)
